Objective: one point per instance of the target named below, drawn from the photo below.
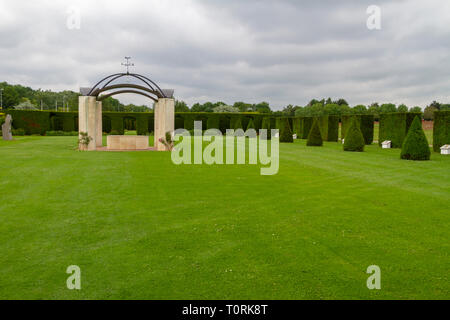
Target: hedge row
(394, 127)
(441, 129)
(329, 127)
(39, 122)
(366, 125)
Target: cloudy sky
(283, 52)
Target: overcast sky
(282, 52)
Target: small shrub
(415, 146)
(84, 140)
(354, 139)
(285, 131)
(314, 136)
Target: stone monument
(6, 128)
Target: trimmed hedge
(366, 125)
(394, 127)
(39, 122)
(415, 146)
(354, 140)
(307, 125)
(314, 136)
(285, 130)
(441, 129)
(333, 128)
(297, 127)
(266, 126)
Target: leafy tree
(181, 106)
(225, 109)
(388, 108)
(415, 146)
(402, 108)
(262, 107)
(359, 109)
(314, 136)
(354, 139)
(428, 113)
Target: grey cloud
(278, 51)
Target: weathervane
(128, 64)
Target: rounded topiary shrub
(354, 139)
(415, 146)
(314, 136)
(285, 131)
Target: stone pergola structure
(90, 106)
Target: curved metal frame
(103, 97)
(103, 85)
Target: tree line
(21, 97)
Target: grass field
(140, 227)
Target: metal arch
(96, 90)
(103, 97)
(96, 85)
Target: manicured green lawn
(141, 227)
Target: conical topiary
(266, 126)
(415, 146)
(314, 136)
(354, 139)
(251, 124)
(238, 124)
(285, 131)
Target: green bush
(354, 139)
(333, 128)
(285, 130)
(394, 127)
(307, 125)
(314, 136)
(117, 124)
(415, 146)
(441, 129)
(366, 125)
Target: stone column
(164, 120)
(99, 126)
(87, 120)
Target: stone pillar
(99, 126)
(87, 120)
(164, 120)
